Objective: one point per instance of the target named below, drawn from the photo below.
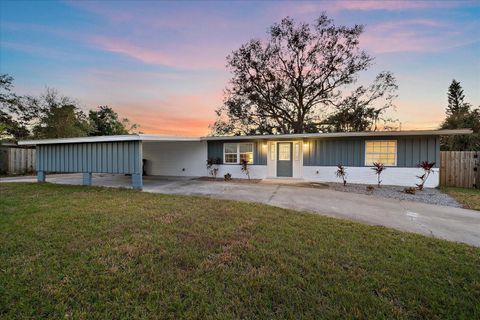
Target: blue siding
(411, 151)
(215, 150)
(102, 157)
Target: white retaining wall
(256, 171)
(365, 175)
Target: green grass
(85, 252)
(470, 198)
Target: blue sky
(162, 64)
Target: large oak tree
(300, 80)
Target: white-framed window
(233, 153)
(383, 151)
(273, 151)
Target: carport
(121, 154)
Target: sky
(162, 64)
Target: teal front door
(284, 159)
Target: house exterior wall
(411, 150)
(365, 175)
(175, 158)
(103, 157)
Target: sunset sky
(162, 64)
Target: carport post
(87, 178)
(137, 180)
(40, 176)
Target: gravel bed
(428, 195)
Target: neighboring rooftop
(159, 138)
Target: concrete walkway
(449, 223)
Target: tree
(460, 115)
(287, 84)
(105, 122)
(10, 127)
(57, 116)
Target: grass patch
(470, 198)
(86, 252)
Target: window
(230, 153)
(246, 152)
(381, 151)
(284, 151)
(272, 151)
(235, 152)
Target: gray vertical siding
(411, 150)
(215, 150)
(101, 157)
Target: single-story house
(309, 157)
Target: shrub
(212, 166)
(227, 176)
(427, 168)
(341, 173)
(245, 168)
(378, 167)
(370, 188)
(410, 190)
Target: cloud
(416, 35)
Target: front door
(284, 159)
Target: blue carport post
(40, 176)
(87, 178)
(137, 179)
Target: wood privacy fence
(460, 169)
(17, 160)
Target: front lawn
(470, 198)
(84, 252)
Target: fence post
(476, 169)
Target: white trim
(126, 137)
(386, 165)
(238, 152)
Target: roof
(344, 134)
(127, 137)
(159, 138)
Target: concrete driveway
(449, 223)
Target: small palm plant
(212, 166)
(378, 167)
(427, 168)
(245, 168)
(341, 173)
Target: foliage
(341, 173)
(427, 168)
(460, 115)
(212, 166)
(370, 188)
(105, 122)
(227, 176)
(52, 115)
(106, 253)
(10, 127)
(410, 190)
(378, 168)
(288, 83)
(245, 167)
(57, 116)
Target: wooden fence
(460, 169)
(17, 160)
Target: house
(309, 157)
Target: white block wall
(365, 175)
(256, 171)
(180, 158)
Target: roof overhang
(128, 137)
(158, 138)
(344, 135)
